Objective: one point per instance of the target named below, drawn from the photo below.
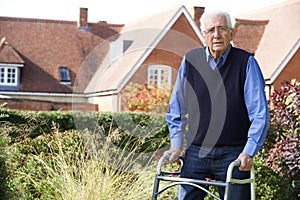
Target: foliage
(5, 191)
(94, 155)
(146, 98)
(115, 148)
(4, 141)
(32, 124)
(282, 149)
(77, 165)
(148, 132)
(270, 184)
(285, 110)
(23, 124)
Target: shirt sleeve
(257, 107)
(176, 115)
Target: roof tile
(8, 54)
(44, 46)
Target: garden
(72, 155)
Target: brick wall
(248, 33)
(291, 71)
(180, 39)
(46, 105)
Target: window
(126, 44)
(118, 48)
(8, 76)
(64, 75)
(159, 75)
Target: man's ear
(232, 33)
(202, 35)
(201, 32)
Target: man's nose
(217, 33)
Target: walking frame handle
(162, 160)
(230, 180)
(160, 175)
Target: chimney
(83, 19)
(198, 11)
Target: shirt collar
(224, 56)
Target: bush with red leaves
(282, 149)
(146, 98)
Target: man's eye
(222, 28)
(211, 31)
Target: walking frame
(175, 180)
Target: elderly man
(219, 95)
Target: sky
(117, 11)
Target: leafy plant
(113, 155)
(282, 153)
(146, 98)
(109, 156)
(285, 109)
(78, 165)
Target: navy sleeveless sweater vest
(217, 114)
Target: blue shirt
(255, 100)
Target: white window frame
(158, 80)
(6, 76)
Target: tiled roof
(14, 19)
(280, 36)
(105, 30)
(8, 54)
(45, 45)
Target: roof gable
(146, 34)
(280, 37)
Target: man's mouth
(217, 43)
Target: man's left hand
(246, 162)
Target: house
(62, 65)
(146, 51)
(273, 36)
(166, 36)
(39, 60)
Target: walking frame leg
(155, 188)
(230, 180)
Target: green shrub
(280, 172)
(116, 147)
(23, 124)
(32, 124)
(68, 166)
(4, 141)
(66, 155)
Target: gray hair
(214, 12)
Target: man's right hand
(174, 154)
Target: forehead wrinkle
(215, 21)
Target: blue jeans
(212, 162)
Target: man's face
(217, 34)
